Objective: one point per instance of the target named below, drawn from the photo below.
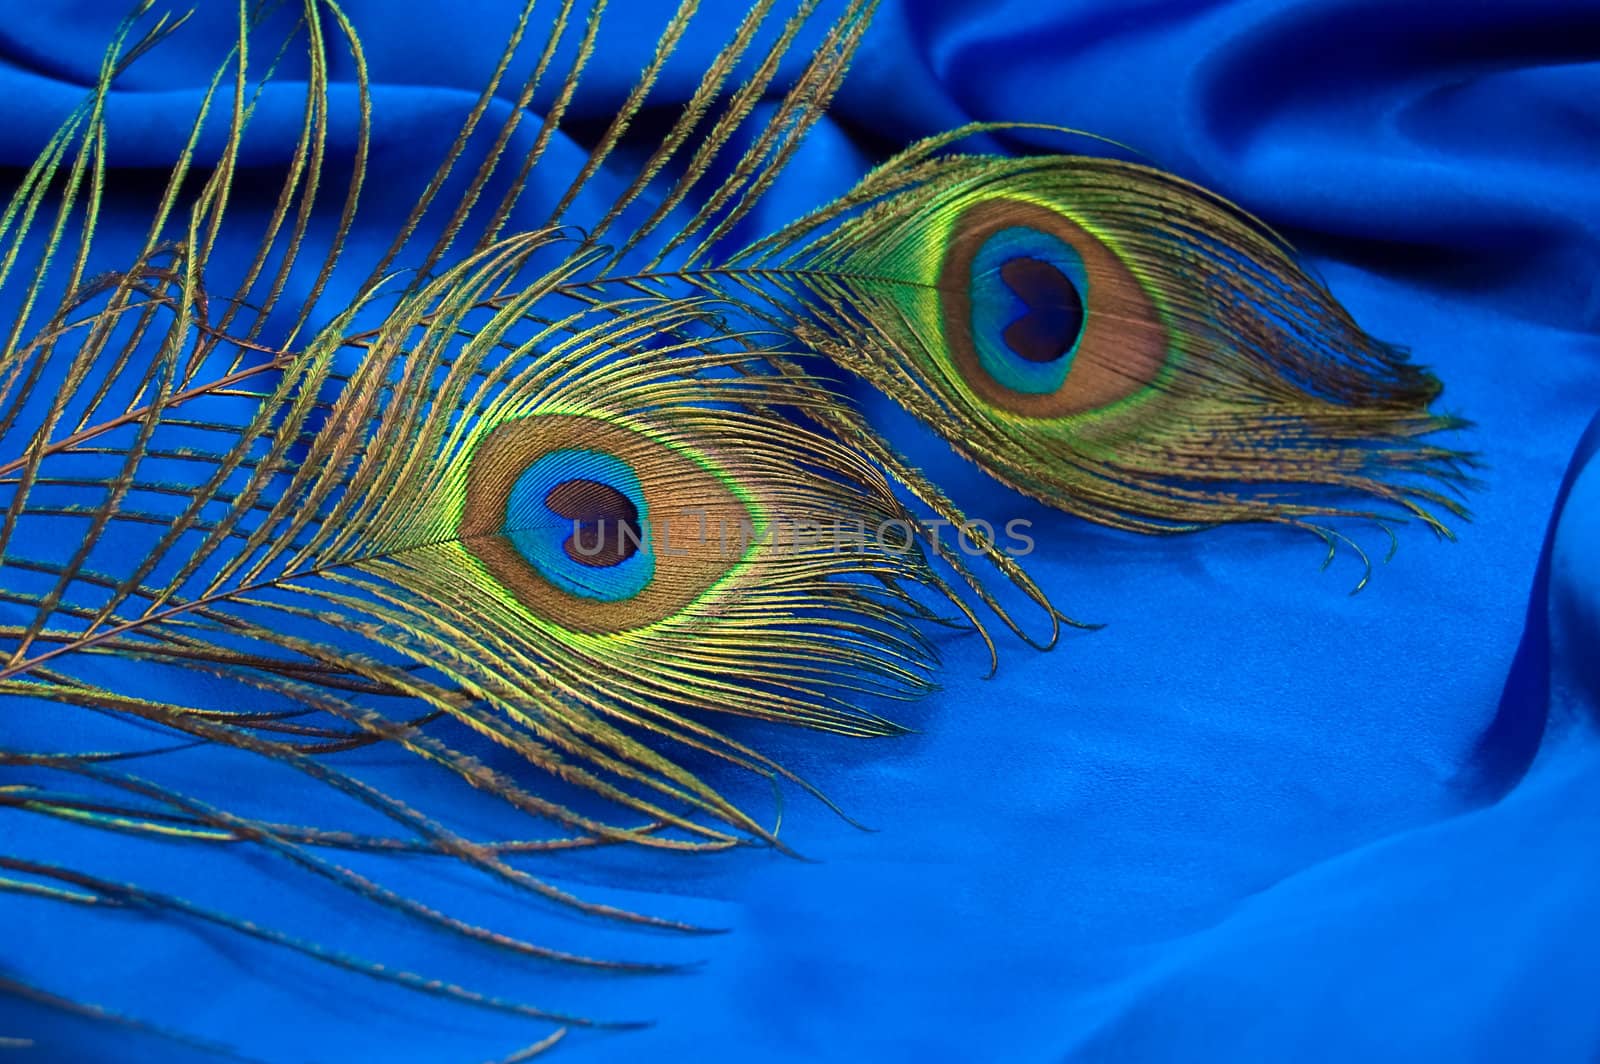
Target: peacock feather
(540, 503)
(1113, 341)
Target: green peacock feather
(557, 490)
(1113, 341)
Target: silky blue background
(1254, 818)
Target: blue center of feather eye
(1029, 293)
(580, 519)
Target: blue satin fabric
(1254, 818)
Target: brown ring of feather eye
(1124, 344)
(685, 507)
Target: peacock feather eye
(580, 519)
(596, 526)
(1042, 318)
